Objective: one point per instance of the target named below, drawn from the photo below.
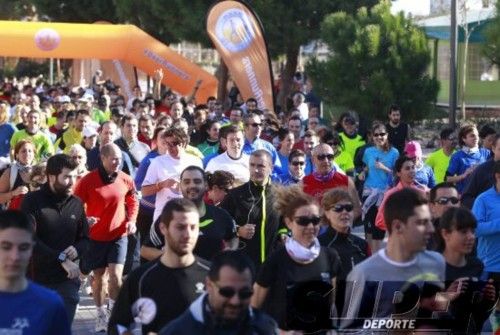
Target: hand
(169, 183)
(158, 75)
(92, 220)
(489, 292)
(247, 231)
(71, 268)
(131, 228)
(144, 310)
(458, 287)
(379, 165)
(71, 252)
(20, 190)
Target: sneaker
(101, 322)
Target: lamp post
(453, 65)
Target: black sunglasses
(339, 208)
(298, 163)
(379, 134)
(322, 157)
(229, 292)
(446, 200)
(306, 220)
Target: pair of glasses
(297, 163)
(340, 208)
(255, 124)
(322, 157)
(379, 134)
(229, 292)
(446, 200)
(172, 144)
(77, 157)
(304, 221)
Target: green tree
(377, 59)
(288, 24)
(491, 47)
(81, 11)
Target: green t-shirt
(351, 144)
(99, 116)
(344, 161)
(439, 162)
(42, 141)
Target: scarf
(23, 168)
(470, 151)
(300, 253)
(324, 178)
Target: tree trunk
(222, 75)
(287, 76)
(464, 72)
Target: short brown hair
(21, 144)
(464, 131)
(182, 205)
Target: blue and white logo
(234, 30)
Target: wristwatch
(62, 257)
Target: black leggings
(369, 223)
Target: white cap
(89, 131)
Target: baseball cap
(413, 149)
(89, 131)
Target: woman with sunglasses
(405, 173)
(338, 212)
(456, 238)
(300, 262)
(379, 162)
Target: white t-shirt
(238, 167)
(165, 167)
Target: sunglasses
(379, 134)
(446, 200)
(322, 157)
(229, 292)
(255, 124)
(339, 208)
(304, 221)
(172, 144)
(298, 163)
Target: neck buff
(300, 253)
(469, 151)
(325, 177)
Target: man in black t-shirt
(160, 291)
(217, 228)
(399, 132)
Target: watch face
(62, 257)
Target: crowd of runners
(220, 217)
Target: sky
(416, 7)
(422, 7)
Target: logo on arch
(47, 39)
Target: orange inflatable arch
(104, 41)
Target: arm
(259, 296)
(82, 237)
(191, 96)
(153, 243)
(486, 224)
(122, 311)
(150, 253)
(471, 190)
(157, 78)
(148, 190)
(379, 219)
